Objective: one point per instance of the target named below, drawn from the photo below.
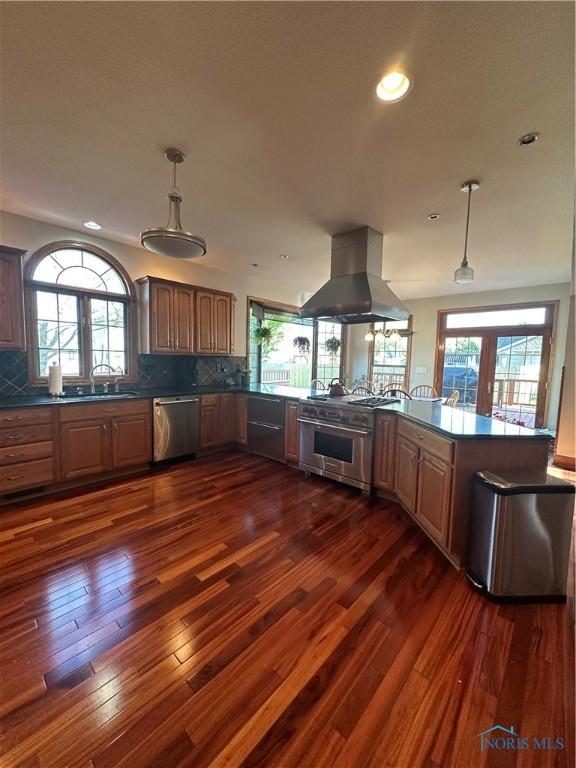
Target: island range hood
(355, 292)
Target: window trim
(408, 333)
(280, 306)
(128, 299)
(546, 329)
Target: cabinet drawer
(22, 417)
(83, 411)
(208, 400)
(18, 476)
(22, 435)
(27, 452)
(426, 439)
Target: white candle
(55, 380)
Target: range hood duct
(355, 292)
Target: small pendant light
(172, 240)
(464, 273)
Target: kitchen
(239, 470)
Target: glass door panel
(461, 369)
(516, 386)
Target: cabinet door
(183, 320)
(222, 324)
(406, 477)
(161, 317)
(11, 299)
(204, 322)
(209, 426)
(434, 495)
(85, 448)
(241, 418)
(291, 441)
(131, 441)
(227, 417)
(384, 452)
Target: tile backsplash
(153, 371)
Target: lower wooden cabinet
(98, 438)
(84, 448)
(131, 441)
(218, 419)
(423, 480)
(291, 431)
(27, 453)
(242, 418)
(384, 453)
(434, 496)
(227, 417)
(406, 478)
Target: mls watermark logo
(501, 738)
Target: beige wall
(424, 318)
(30, 234)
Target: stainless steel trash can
(519, 538)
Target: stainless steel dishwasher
(176, 426)
(266, 426)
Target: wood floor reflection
(230, 612)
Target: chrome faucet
(91, 376)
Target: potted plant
(302, 344)
(262, 335)
(242, 375)
(332, 345)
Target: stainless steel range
(336, 437)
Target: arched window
(81, 306)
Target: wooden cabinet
(434, 491)
(227, 417)
(100, 437)
(131, 441)
(161, 318)
(177, 318)
(384, 453)
(213, 323)
(183, 319)
(85, 448)
(423, 478)
(218, 419)
(291, 431)
(11, 299)
(27, 448)
(166, 317)
(242, 418)
(209, 421)
(406, 478)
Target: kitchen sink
(101, 395)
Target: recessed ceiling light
(92, 225)
(393, 86)
(284, 257)
(254, 265)
(433, 216)
(528, 138)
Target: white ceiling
(273, 104)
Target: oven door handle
(338, 428)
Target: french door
(500, 372)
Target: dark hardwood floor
(230, 612)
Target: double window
(289, 350)
(389, 353)
(82, 312)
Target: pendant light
(464, 273)
(172, 240)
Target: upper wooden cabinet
(11, 299)
(176, 318)
(213, 323)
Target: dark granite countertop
(453, 422)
